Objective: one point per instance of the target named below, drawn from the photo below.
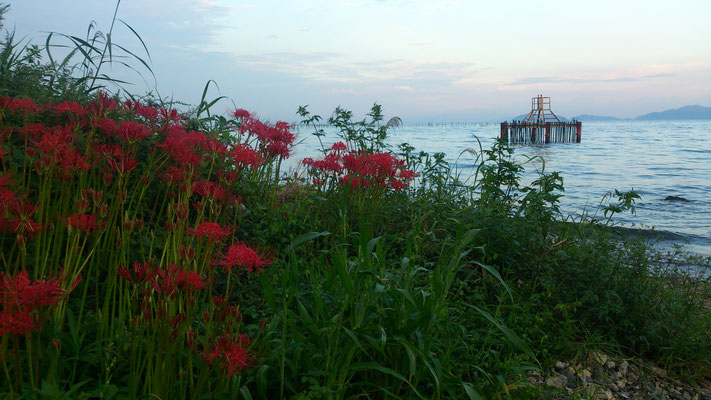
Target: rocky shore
(599, 376)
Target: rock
(610, 365)
(585, 374)
(598, 357)
(661, 373)
(624, 365)
(613, 387)
(555, 381)
(559, 365)
(607, 395)
(597, 373)
(677, 198)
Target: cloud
(340, 67)
(404, 88)
(537, 80)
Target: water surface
(656, 159)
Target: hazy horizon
(421, 60)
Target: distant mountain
(588, 117)
(687, 112)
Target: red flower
(142, 272)
(209, 189)
(24, 106)
(232, 357)
(165, 281)
(241, 255)
(191, 281)
(339, 146)
(83, 222)
(243, 155)
(21, 299)
(123, 164)
(130, 131)
(241, 114)
(181, 146)
(210, 230)
(70, 107)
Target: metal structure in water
(541, 126)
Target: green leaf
(510, 335)
(307, 237)
(365, 366)
(471, 392)
(268, 291)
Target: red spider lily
(339, 146)
(7, 196)
(109, 150)
(71, 161)
(131, 132)
(70, 107)
(243, 155)
(148, 113)
(241, 114)
(21, 299)
(32, 130)
(169, 115)
(123, 164)
(165, 280)
(241, 255)
(211, 231)
(142, 272)
(23, 106)
(208, 189)
(173, 175)
(213, 145)
(182, 146)
(191, 281)
(103, 104)
(227, 177)
(232, 357)
(331, 163)
(83, 222)
(107, 125)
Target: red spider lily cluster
(274, 140)
(78, 180)
(359, 169)
(16, 215)
(24, 302)
(231, 354)
(239, 255)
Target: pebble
(600, 377)
(624, 365)
(555, 381)
(662, 373)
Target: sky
(436, 60)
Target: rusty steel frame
(540, 111)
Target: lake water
(657, 159)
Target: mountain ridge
(690, 112)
